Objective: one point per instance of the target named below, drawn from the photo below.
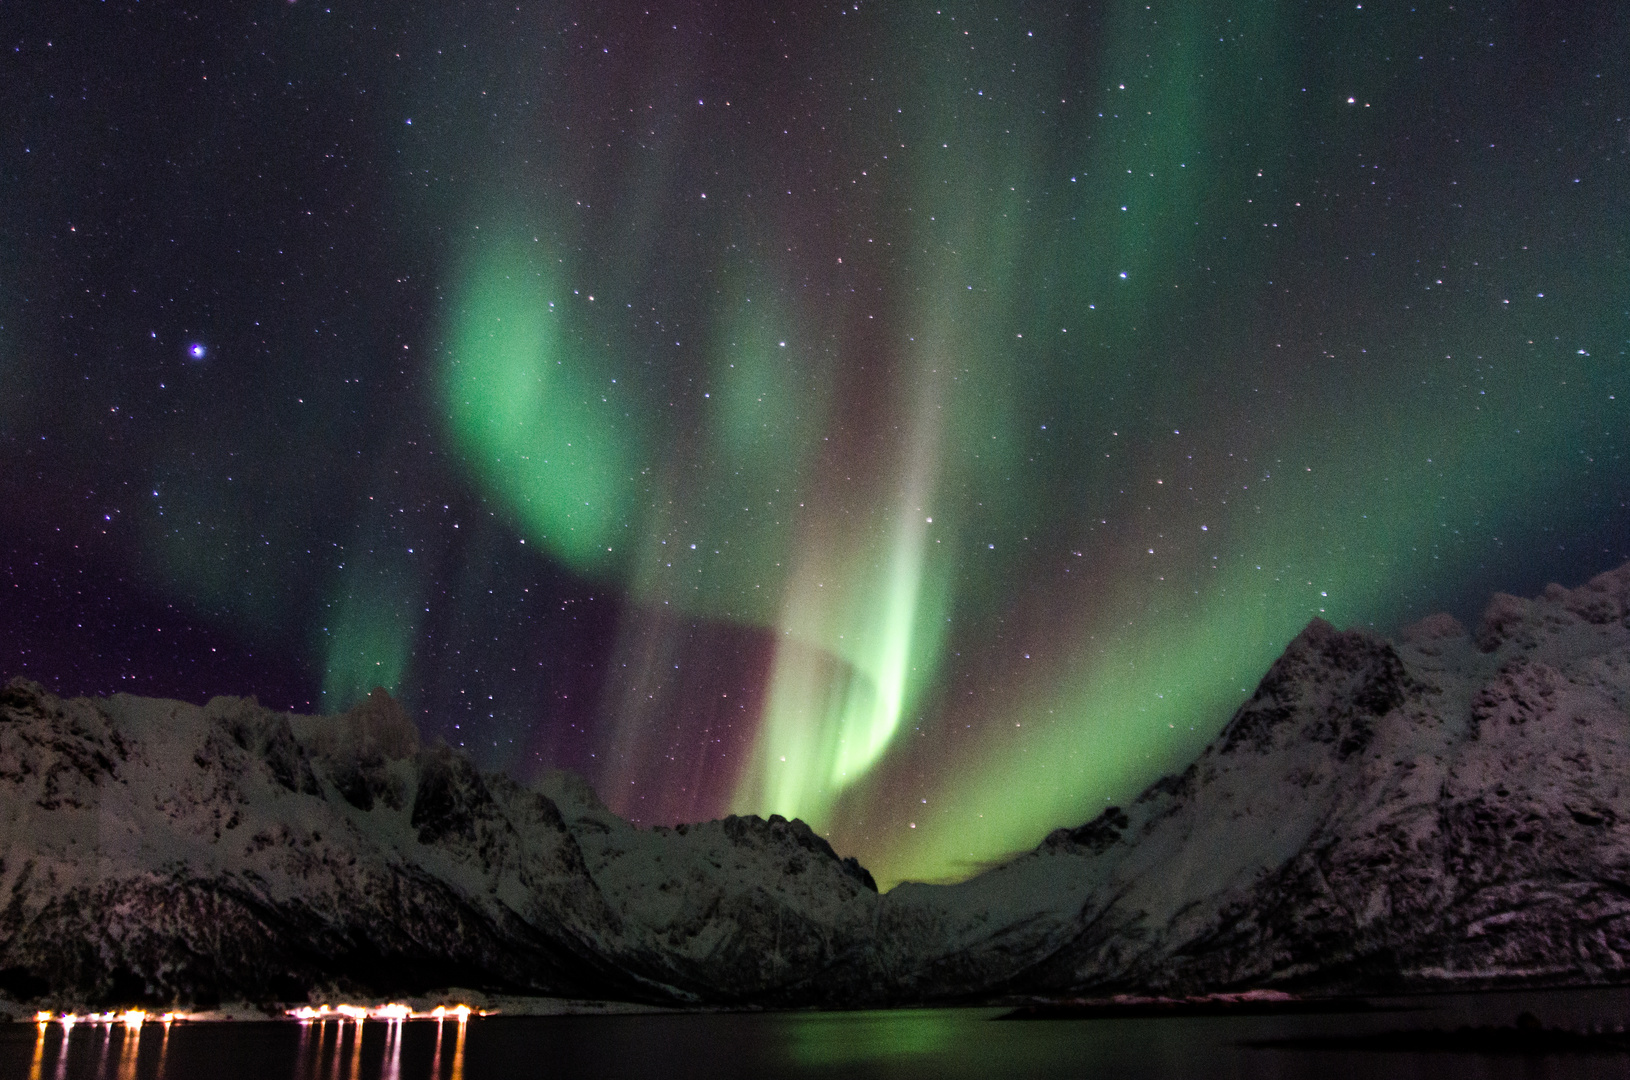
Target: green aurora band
(1029, 515)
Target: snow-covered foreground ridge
(1447, 810)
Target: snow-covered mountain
(1448, 810)
(157, 849)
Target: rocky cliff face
(1447, 810)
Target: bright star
(197, 350)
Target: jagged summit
(165, 851)
(1447, 810)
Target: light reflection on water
(921, 1044)
(344, 1058)
(330, 1049)
(840, 1039)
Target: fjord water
(944, 1044)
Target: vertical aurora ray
(858, 640)
(368, 639)
(369, 625)
(864, 630)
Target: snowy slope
(739, 910)
(161, 850)
(1447, 810)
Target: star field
(928, 421)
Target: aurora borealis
(928, 421)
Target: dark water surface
(944, 1044)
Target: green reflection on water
(846, 1038)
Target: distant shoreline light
(391, 1011)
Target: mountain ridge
(1441, 811)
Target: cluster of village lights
(130, 1018)
(394, 1012)
(135, 1018)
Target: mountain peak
(1446, 810)
(1333, 683)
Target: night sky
(928, 421)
